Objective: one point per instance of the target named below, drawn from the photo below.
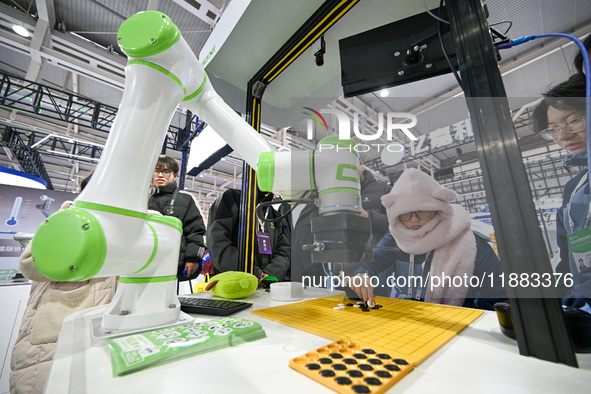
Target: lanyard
(571, 224)
(169, 210)
(411, 268)
(261, 222)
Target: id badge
(580, 247)
(264, 242)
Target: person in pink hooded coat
(430, 252)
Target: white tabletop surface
(478, 360)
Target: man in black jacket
(170, 201)
(371, 192)
(222, 238)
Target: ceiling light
(203, 146)
(384, 93)
(20, 30)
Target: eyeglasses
(421, 215)
(570, 126)
(163, 172)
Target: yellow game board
(408, 329)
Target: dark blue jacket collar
(579, 160)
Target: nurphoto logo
(394, 121)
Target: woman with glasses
(433, 254)
(560, 117)
(170, 201)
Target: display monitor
(404, 51)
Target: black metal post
(539, 323)
(247, 220)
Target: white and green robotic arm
(109, 231)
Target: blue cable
(586, 67)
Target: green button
(69, 246)
(147, 33)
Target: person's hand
(364, 213)
(191, 268)
(360, 284)
(263, 276)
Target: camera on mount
(319, 58)
(319, 54)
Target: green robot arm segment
(147, 33)
(70, 246)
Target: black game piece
(343, 380)
(400, 361)
(373, 381)
(360, 389)
(339, 367)
(366, 367)
(383, 374)
(355, 374)
(350, 361)
(335, 355)
(313, 366)
(325, 360)
(384, 356)
(327, 373)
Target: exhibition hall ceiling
(89, 28)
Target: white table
(479, 360)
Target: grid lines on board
(410, 329)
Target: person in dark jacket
(371, 192)
(222, 238)
(170, 201)
(440, 260)
(561, 117)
